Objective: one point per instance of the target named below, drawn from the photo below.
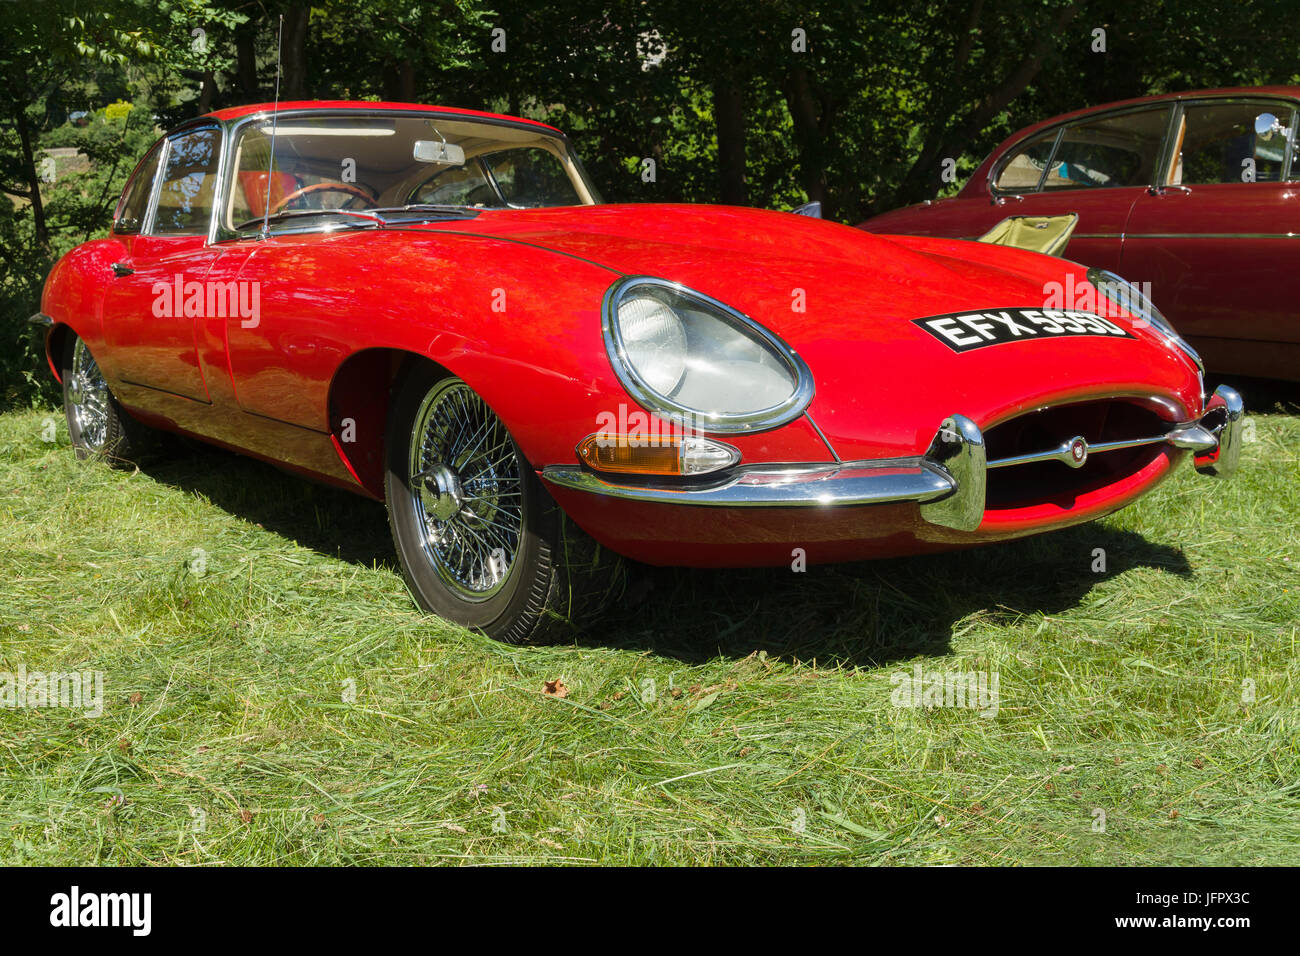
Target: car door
(157, 291)
(1097, 166)
(1219, 236)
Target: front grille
(1053, 482)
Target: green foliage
(769, 102)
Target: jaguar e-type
(432, 307)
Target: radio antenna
(275, 117)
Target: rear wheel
(481, 543)
(98, 425)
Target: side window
(1109, 152)
(1024, 169)
(1231, 143)
(135, 199)
(189, 184)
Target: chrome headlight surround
(1133, 301)
(697, 418)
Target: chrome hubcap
(467, 489)
(88, 398)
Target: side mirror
(438, 151)
(1266, 124)
(813, 209)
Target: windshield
(355, 164)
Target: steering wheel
(354, 191)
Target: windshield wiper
(295, 213)
(439, 210)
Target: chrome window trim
(1176, 101)
(234, 129)
(1060, 128)
(664, 407)
(186, 129)
(1262, 98)
(1047, 167)
(1289, 158)
(151, 210)
(161, 145)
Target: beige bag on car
(1045, 234)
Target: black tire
(543, 580)
(97, 424)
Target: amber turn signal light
(655, 455)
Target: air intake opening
(1053, 482)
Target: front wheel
(98, 425)
(480, 541)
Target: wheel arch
(57, 337)
(358, 403)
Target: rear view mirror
(438, 151)
(1265, 124)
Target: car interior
(359, 163)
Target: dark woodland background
(755, 102)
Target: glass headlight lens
(655, 342)
(1127, 296)
(692, 359)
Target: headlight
(1127, 296)
(692, 360)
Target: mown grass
(231, 609)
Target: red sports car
(1192, 196)
(432, 308)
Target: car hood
(845, 300)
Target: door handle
(122, 269)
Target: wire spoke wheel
(466, 483)
(480, 541)
(88, 398)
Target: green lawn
(230, 733)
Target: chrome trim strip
(822, 435)
(809, 485)
(1212, 235)
(1178, 235)
(693, 418)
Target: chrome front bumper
(948, 481)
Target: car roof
(977, 184)
(1292, 92)
(363, 106)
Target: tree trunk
(206, 92)
(246, 61)
(947, 138)
(809, 130)
(32, 176)
(399, 81)
(295, 52)
(729, 117)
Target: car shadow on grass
(869, 613)
(865, 614)
(330, 521)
